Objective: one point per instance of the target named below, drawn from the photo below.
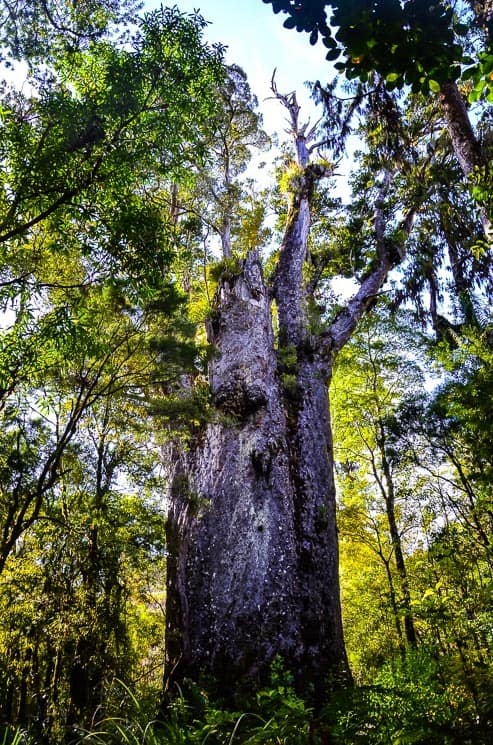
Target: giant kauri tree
(112, 131)
(253, 568)
(252, 533)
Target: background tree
(91, 313)
(80, 587)
(374, 374)
(418, 44)
(237, 131)
(64, 191)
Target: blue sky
(257, 41)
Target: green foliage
(405, 704)
(441, 459)
(227, 269)
(277, 715)
(481, 185)
(80, 597)
(292, 179)
(184, 412)
(85, 250)
(220, 200)
(481, 77)
(252, 233)
(10, 736)
(288, 368)
(288, 358)
(104, 118)
(414, 43)
(36, 30)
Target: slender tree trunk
(21, 715)
(393, 603)
(226, 237)
(7, 701)
(395, 537)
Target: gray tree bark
(233, 584)
(465, 144)
(253, 569)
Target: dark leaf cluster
(414, 43)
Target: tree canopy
(418, 43)
(204, 382)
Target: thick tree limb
(389, 253)
(464, 142)
(289, 288)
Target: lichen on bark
(235, 582)
(254, 575)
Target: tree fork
(233, 577)
(253, 569)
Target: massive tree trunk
(233, 586)
(252, 525)
(253, 568)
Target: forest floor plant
(407, 704)
(10, 736)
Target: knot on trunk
(262, 455)
(240, 397)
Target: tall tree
(253, 571)
(78, 578)
(81, 237)
(373, 376)
(416, 43)
(237, 129)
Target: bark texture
(464, 141)
(234, 585)
(252, 525)
(252, 537)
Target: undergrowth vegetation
(406, 704)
